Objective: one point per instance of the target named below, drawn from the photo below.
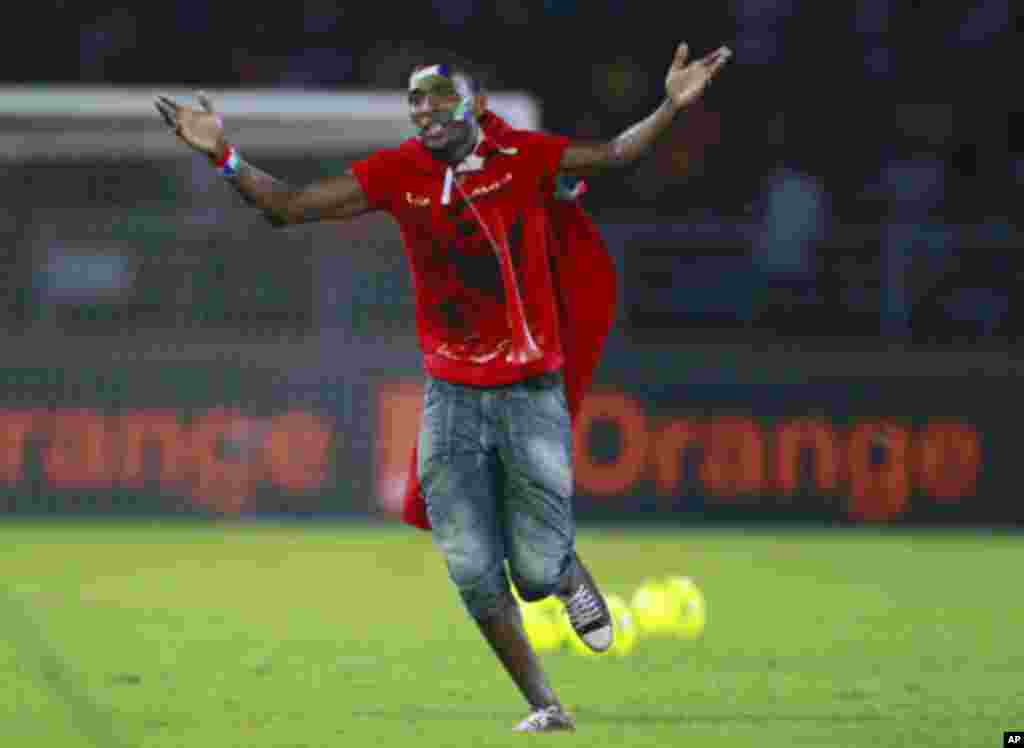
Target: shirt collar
(486, 146)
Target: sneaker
(549, 719)
(588, 611)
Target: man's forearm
(269, 194)
(334, 198)
(638, 139)
(583, 158)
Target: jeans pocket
(549, 405)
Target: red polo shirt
(461, 295)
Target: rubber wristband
(228, 162)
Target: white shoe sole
(599, 640)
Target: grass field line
(43, 660)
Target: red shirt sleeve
(544, 152)
(377, 176)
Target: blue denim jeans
(495, 465)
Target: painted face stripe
(462, 110)
(417, 78)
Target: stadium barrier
(206, 440)
(635, 456)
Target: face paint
(464, 111)
(441, 105)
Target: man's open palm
(202, 129)
(686, 82)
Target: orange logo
(216, 461)
(873, 465)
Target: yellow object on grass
(688, 610)
(542, 625)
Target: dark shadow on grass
(443, 714)
(95, 724)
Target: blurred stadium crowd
(855, 173)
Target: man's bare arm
(333, 199)
(336, 198)
(684, 84)
(582, 158)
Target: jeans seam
(447, 423)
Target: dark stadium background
(831, 234)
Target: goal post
(58, 122)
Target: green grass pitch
(139, 634)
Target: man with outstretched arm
(509, 338)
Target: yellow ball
(652, 608)
(688, 607)
(626, 632)
(542, 628)
(550, 605)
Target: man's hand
(202, 129)
(684, 83)
(335, 198)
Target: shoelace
(584, 607)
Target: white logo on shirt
(423, 201)
(486, 189)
